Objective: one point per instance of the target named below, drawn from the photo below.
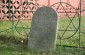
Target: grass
(10, 40)
(12, 49)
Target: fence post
(11, 16)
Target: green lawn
(12, 33)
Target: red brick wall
(83, 7)
(22, 11)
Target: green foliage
(13, 43)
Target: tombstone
(43, 30)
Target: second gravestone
(43, 30)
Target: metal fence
(70, 31)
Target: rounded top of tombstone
(44, 12)
(45, 8)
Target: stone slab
(43, 30)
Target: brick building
(20, 8)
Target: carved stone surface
(43, 30)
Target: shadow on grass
(13, 39)
(14, 45)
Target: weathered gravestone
(43, 30)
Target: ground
(14, 42)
